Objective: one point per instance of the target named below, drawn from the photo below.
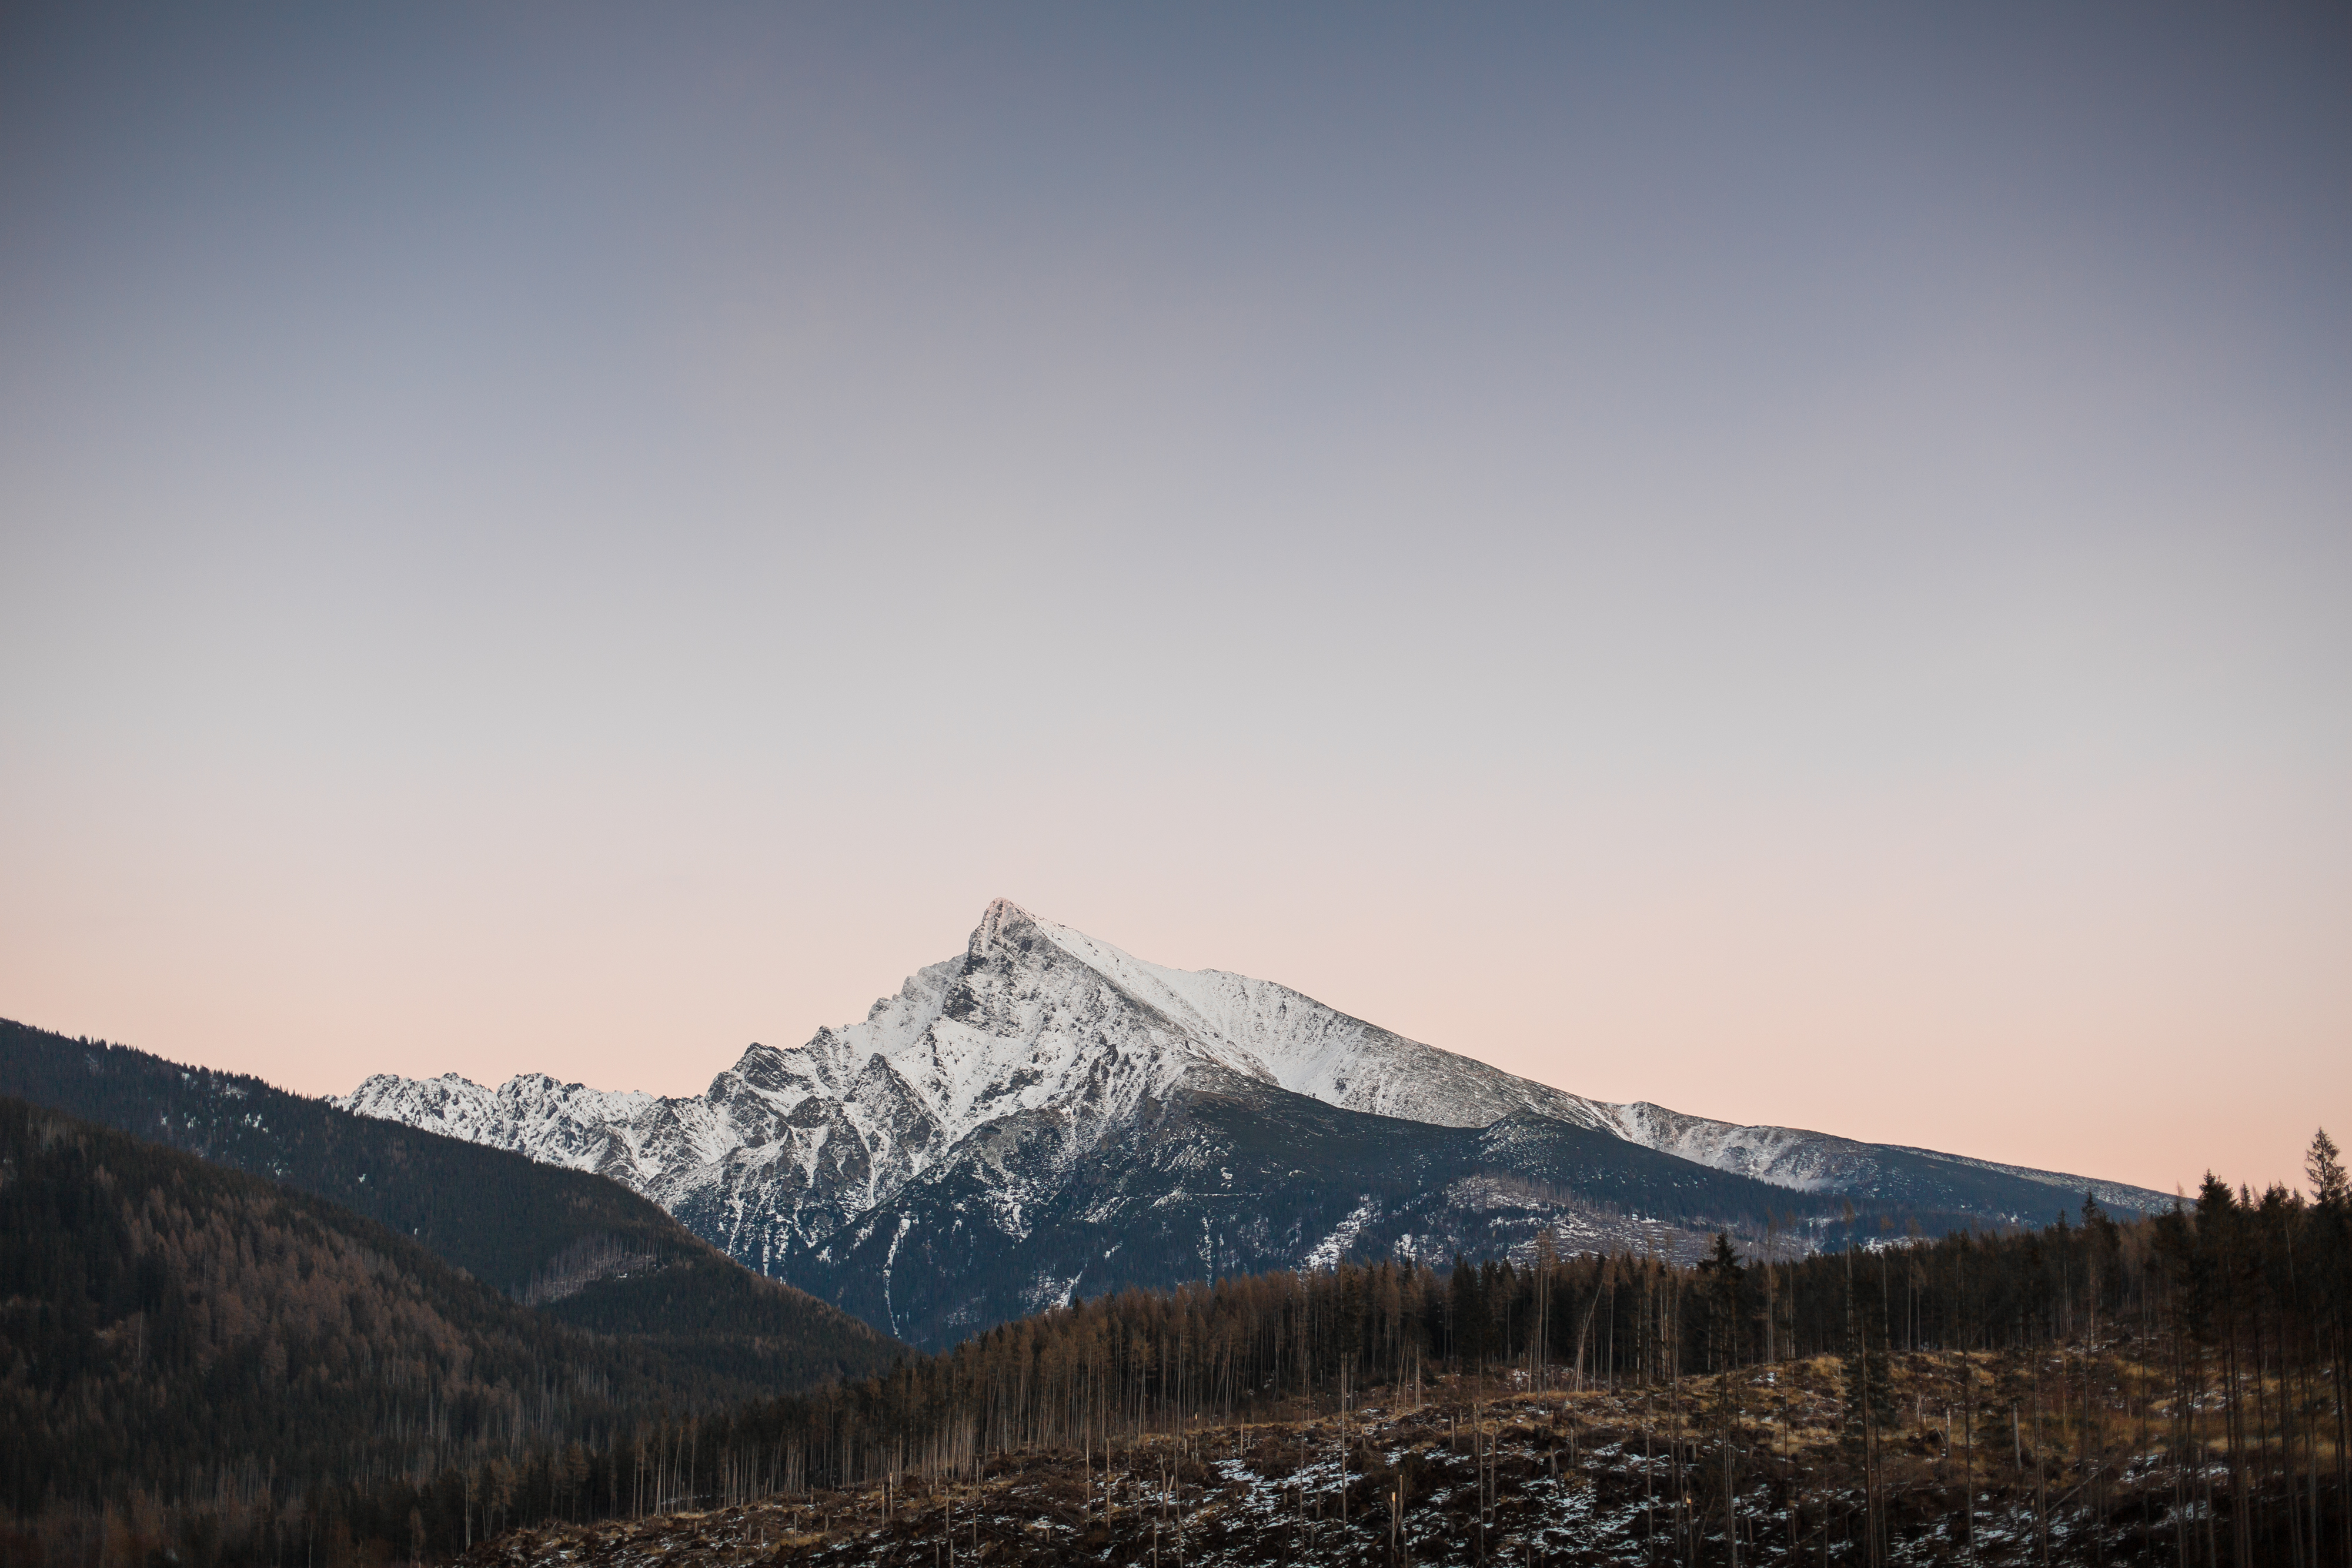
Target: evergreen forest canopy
(175, 1332)
(581, 1247)
(497, 1216)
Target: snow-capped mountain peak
(1278, 1036)
(1034, 1019)
(999, 1081)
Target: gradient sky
(1794, 562)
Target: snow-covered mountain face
(1819, 1163)
(1032, 1017)
(994, 1088)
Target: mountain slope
(1207, 1184)
(165, 1321)
(1033, 1117)
(583, 1249)
(1819, 1163)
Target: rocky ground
(1473, 1476)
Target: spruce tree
(2325, 1166)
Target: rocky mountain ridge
(1029, 1091)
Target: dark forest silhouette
(201, 1360)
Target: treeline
(2233, 1285)
(2232, 1308)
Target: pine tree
(2325, 1164)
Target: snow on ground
(1472, 1475)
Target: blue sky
(1791, 565)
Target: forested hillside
(182, 1334)
(500, 1218)
(585, 1249)
(2169, 1389)
(172, 1328)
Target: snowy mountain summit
(953, 1158)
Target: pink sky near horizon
(1798, 570)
